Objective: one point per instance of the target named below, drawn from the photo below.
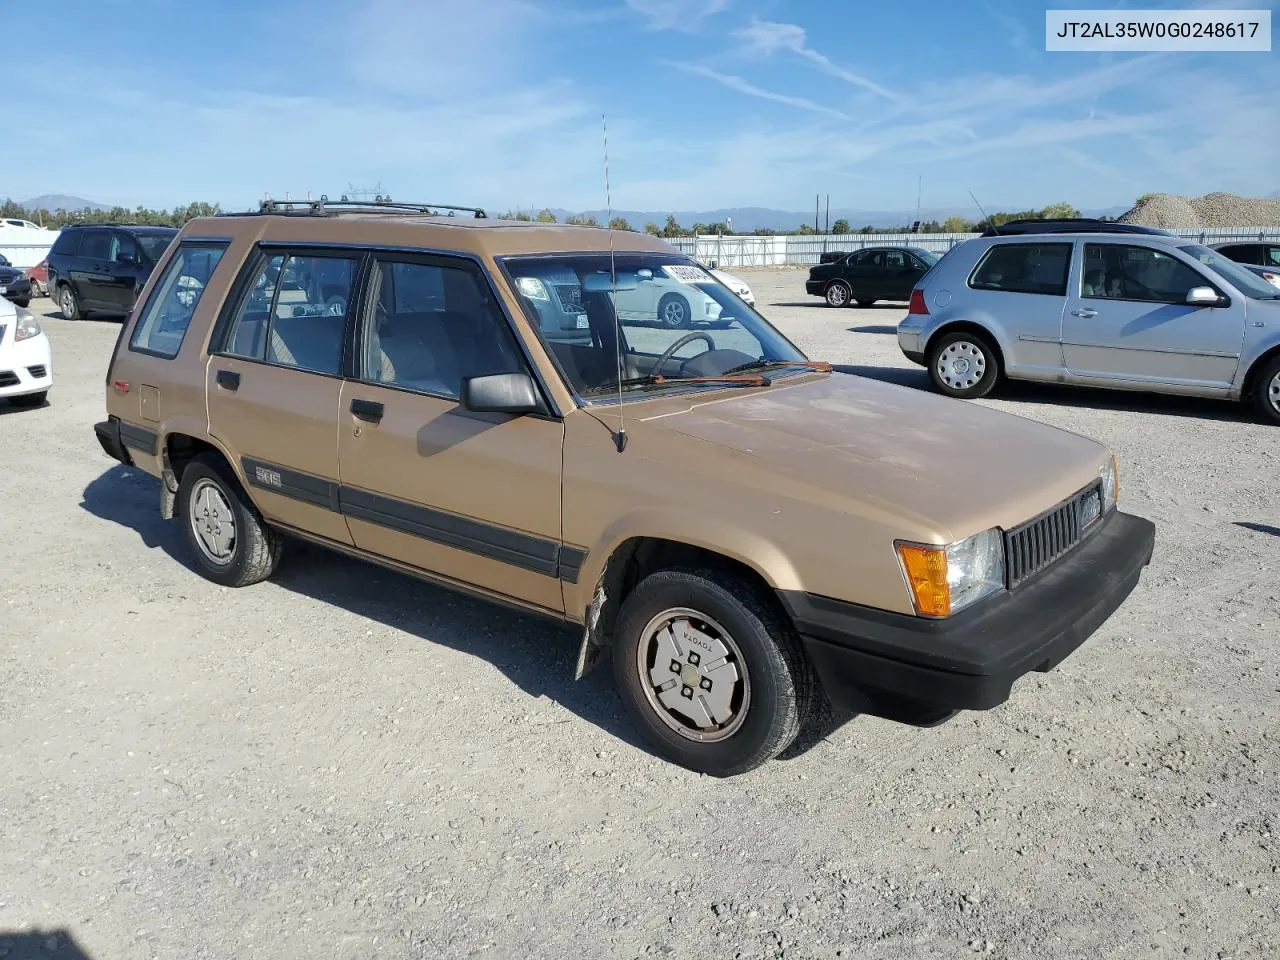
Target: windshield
(155, 244)
(927, 256)
(1250, 284)
(675, 319)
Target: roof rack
(1069, 225)
(325, 207)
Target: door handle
(228, 379)
(370, 411)
(1084, 312)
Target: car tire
(963, 365)
(30, 399)
(1266, 392)
(228, 539)
(866, 303)
(25, 302)
(747, 643)
(673, 310)
(69, 303)
(837, 294)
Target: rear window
(167, 314)
(67, 244)
(1024, 268)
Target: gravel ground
(347, 763)
(1212, 210)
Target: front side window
(675, 320)
(432, 325)
(1024, 268)
(155, 244)
(163, 322)
(123, 248)
(1114, 271)
(294, 312)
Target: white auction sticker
(687, 274)
(1224, 31)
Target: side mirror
(1203, 297)
(512, 393)
(129, 258)
(714, 264)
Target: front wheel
(673, 310)
(712, 673)
(24, 302)
(963, 365)
(227, 537)
(1266, 392)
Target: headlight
(28, 327)
(533, 288)
(945, 580)
(1110, 474)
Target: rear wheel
(838, 294)
(228, 539)
(712, 673)
(1266, 392)
(964, 365)
(24, 302)
(69, 303)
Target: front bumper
(970, 661)
(16, 290)
(26, 366)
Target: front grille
(1036, 544)
(8, 378)
(37, 371)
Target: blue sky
(710, 103)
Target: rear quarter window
(67, 244)
(163, 323)
(1024, 268)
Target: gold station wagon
(468, 401)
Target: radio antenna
(620, 437)
(990, 223)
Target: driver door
(1127, 319)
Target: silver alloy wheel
(68, 302)
(693, 675)
(213, 522)
(673, 312)
(837, 295)
(1273, 393)
(961, 365)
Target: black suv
(103, 266)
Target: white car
(737, 286)
(26, 360)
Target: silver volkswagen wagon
(1121, 310)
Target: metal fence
(740, 251)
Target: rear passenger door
(274, 381)
(90, 270)
(472, 497)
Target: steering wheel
(670, 351)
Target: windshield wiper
(658, 378)
(820, 366)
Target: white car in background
(739, 287)
(26, 360)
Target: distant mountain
(746, 219)
(62, 201)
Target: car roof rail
(325, 207)
(1070, 225)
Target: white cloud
(677, 14)
(765, 38)
(751, 90)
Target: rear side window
(95, 245)
(167, 314)
(1024, 268)
(67, 244)
(294, 313)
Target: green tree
(673, 228)
(619, 223)
(956, 225)
(806, 229)
(840, 226)
(652, 229)
(582, 220)
(1059, 211)
(545, 216)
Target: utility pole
(828, 230)
(817, 197)
(919, 185)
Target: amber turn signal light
(926, 572)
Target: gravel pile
(1212, 210)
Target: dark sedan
(865, 276)
(15, 285)
(1262, 257)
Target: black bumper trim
(139, 438)
(970, 661)
(108, 434)
(915, 356)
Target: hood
(728, 279)
(948, 466)
(10, 273)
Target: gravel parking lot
(344, 762)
